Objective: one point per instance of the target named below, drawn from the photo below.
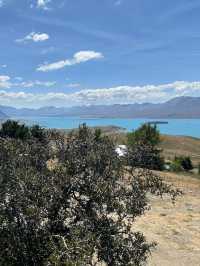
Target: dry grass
(176, 228)
(178, 145)
(172, 146)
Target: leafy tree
(145, 156)
(13, 129)
(80, 211)
(38, 132)
(143, 148)
(144, 135)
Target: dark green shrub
(38, 132)
(143, 150)
(182, 164)
(13, 129)
(187, 163)
(145, 135)
(145, 156)
(176, 166)
(76, 213)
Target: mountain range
(180, 107)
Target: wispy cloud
(48, 50)
(30, 84)
(73, 85)
(6, 83)
(80, 57)
(43, 4)
(115, 95)
(35, 37)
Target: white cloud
(115, 95)
(3, 66)
(79, 57)
(43, 4)
(5, 82)
(30, 84)
(4, 78)
(73, 85)
(35, 37)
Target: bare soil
(175, 228)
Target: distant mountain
(180, 107)
(3, 115)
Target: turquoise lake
(186, 127)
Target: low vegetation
(143, 148)
(13, 129)
(181, 164)
(66, 202)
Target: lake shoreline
(175, 127)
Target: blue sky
(74, 52)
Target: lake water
(187, 127)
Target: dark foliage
(186, 163)
(16, 130)
(38, 133)
(182, 164)
(79, 211)
(143, 151)
(145, 156)
(146, 135)
(13, 129)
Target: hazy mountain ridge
(180, 107)
(3, 115)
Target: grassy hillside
(178, 145)
(172, 146)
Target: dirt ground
(181, 146)
(175, 228)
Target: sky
(82, 52)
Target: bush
(144, 135)
(13, 129)
(76, 213)
(182, 164)
(187, 163)
(143, 150)
(38, 132)
(146, 157)
(176, 166)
